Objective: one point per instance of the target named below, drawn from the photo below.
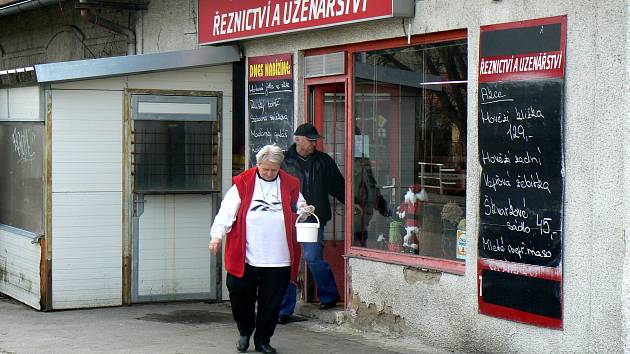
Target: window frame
(351, 251)
(136, 96)
(18, 226)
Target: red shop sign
(229, 20)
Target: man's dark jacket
(319, 177)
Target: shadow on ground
(188, 317)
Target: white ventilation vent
(325, 65)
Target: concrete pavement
(185, 327)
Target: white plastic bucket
(307, 232)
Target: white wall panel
(173, 255)
(19, 268)
(4, 104)
(226, 137)
(20, 104)
(87, 249)
(107, 84)
(212, 78)
(87, 198)
(87, 141)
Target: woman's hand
(215, 245)
(305, 211)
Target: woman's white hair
(271, 153)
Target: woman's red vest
(235, 242)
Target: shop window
(409, 168)
(22, 176)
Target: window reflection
(409, 149)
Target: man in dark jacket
(319, 177)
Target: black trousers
(266, 285)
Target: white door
(175, 174)
(171, 260)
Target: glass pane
(333, 122)
(410, 149)
(175, 156)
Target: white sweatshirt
(266, 243)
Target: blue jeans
(323, 276)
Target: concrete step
(311, 311)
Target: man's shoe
(242, 344)
(284, 319)
(265, 348)
(328, 305)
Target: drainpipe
(90, 17)
(24, 5)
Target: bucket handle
(315, 215)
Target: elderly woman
(262, 255)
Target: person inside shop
(366, 195)
(256, 219)
(319, 177)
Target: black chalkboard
(521, 40)
(520, 151)
(270, 114)
(529, 294)
(520, 132)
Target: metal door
(175, 145)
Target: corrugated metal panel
(19, 268)
(87, 249)
(87, 141)
(324, 65)
(313, 66)
(86, 198)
